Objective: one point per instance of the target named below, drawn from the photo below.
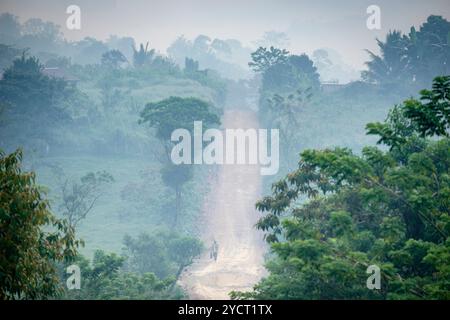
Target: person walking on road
(214, 250)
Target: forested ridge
(384, 208)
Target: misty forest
(87, 182)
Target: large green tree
(287, 84)
(32, 240)
(113, 59)
(166, 116)
(34, 104)
(386, 207)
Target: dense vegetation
(86, 176)
(32, 238)
(385, 208)
(148, 269)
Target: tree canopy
(411, 58)
(264, 58)
(34, 103)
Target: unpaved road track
(229, 218)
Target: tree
(284, 112)
(113, 59)
(143, 56)
(386, 208)
(7, 55)
(429, 49)
(273, 38)
(32, 240)
(412, 59)
(90, 51)
(190, 66)
(174, 113)
(166, 116)
(183, 251)
(35, 104)
(302, 64)
(111, 96)
(262, 59)
(148, 253)
(64, 63)
(175, 177)
(393, 65)
(105, 279)
(165, 254)
(42, 29)
(10, 28)
(288, 76)
(286, 90)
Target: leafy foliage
(287, 86)
(7, 55)
(38, 112)
(143, 56)
(148, 270)
(79, 198)
(165, 254)
(32, 240)
(113, 59)
(263, 58)
(103, 279)
(166, 116)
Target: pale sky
(310, 24)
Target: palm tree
(143, 56)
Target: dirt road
(230, 217)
